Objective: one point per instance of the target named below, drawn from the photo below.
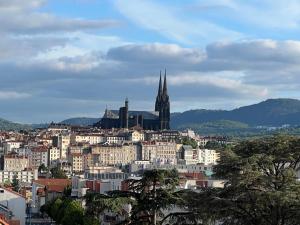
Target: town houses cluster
(94, 159)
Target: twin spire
(164, 90)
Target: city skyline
(62, 59)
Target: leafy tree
(73, 214)
(261, 185)
(148, 197)
(42, 168)
(57, 172)
(189, 141)
(214, 145)
(67, 191)
(15, 183)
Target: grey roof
(114, 114)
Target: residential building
(15, 203)
(208, 156)
(39, 156)
(53, 156)
(115, 154)
(25, 176)
(76, 160)
(164, 152)
(13, 162)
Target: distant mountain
(80, 121)
(272, 112)
(8, 125)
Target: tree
(189, 141)
(15, 183)
(58, 173)
(261, 185)
(42, 168)
(148, 197)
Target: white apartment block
(208, 156)
(92, 139)
(9, 146)
(25, 176)
(15, 202)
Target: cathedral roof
(114, 114)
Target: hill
(272, 112)
(8, 125)
(80, 121)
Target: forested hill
(272, 112)
(8, 125)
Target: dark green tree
(189, 141)
(15, 183)
(42, 168)
(261, 186)
(57, 172)
(148, 197)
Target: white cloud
(156, 52)
(165, 21)
(13, 95)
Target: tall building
(148, 120)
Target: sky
(69, 58)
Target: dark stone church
(148, 120)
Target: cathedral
(159, 119)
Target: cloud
(13, 95)
(23, 17)
(156, 52)
(167, 21)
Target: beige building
(115, 154)
(39, 156)
(53, 155)
(76, 160)
(159, 151)
(92, 139)
(14, 162)
(136, 136)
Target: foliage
(15, 183)
(189, 141)
(148, 197)
(58, 173)
(42, 168)
(261, 186)
(214, 145)
(66, 211)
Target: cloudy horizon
(69, 58)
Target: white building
(25, 176)
(9, 146)
(92, 139)
(15, 202)
(208, 156)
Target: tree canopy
(261, 185)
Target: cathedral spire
(165, 89)
(159, 93)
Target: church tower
(164, 105)
(159, 94)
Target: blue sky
(67, 58)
